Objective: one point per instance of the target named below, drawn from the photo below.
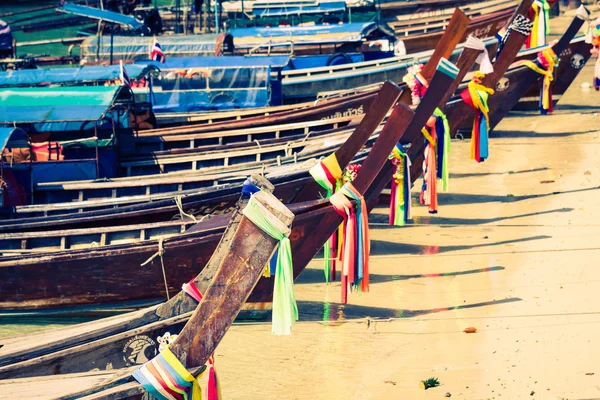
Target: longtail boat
(134, 190)
(514, 83)
(250, 240)
(181, 255)
(61, 356)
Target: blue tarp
(6, 39)
(34, 77)
(299, 9)
(341, 33)
(56, 104)
(104, 15)
(214, 62)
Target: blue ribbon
(249, 188)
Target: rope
(257, 143)
(182, 213)
(160, 253)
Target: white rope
(182, 213)
(160, 253)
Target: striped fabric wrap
(476, 96)
(285, 309)
(355, 248)
(540, 15)
(165, 378)
(328, 174)
(400, 193)
(520, 24)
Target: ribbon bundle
(355, 240)
(429, 188)
(165, 378)
(328, 174)
(400, 193)
(540, 15)
(416, 83)
(285, 310)
(544, 65)
(476, 96)
(595, 42)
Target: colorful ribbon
(191, 289)
(285, 310)
(355, 249)
(165, 378)
(593, 38)
(442, 128)
(476, 96)
(416, 82)
(428, 195)
(400, 193)
(540, 15)
(545, 65)
(328, 174)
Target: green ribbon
(446, 153)
(285, 309)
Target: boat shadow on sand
(383, 247)
(326, 311)
(312, 276)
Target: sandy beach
(513, 253)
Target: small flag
(156, 52)
(124, 77)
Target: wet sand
(513, 252)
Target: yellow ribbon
(332, 164)
(185, 374)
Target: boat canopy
(104, 15)
(133, 48)
(6, 39)
(261, 11)
(216, 83)
(214, 62)
(77, 76)
(59, 104)
(318, 34)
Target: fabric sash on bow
(520, 24)
(476, 96)
(355, 249)
(429, 188)
(485, 65)
(285, 310)
(442, 128)
(593, 38)
(540, 14)
(165, 378)
(545, 64)
(328, 174)
(400, 193)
